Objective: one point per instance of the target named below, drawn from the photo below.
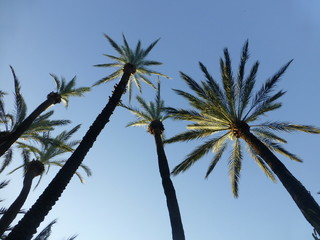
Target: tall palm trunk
(32, 219)
(169, 191)
(35, 168)
(6, 143)
(305, 202)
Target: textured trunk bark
(16, 206)
(6, 144)
(303, 199)
(169, 191)
(28, 225)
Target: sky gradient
(124, 200)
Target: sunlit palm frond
(267, 88)
(235, 163)
(195, 155)
(279, 149)
(261, 164)
(289, 127)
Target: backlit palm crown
(136, 58)
(149, 111)
(229, 109)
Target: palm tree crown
(11, 121)
(151, 112)
(51, 148)
(65, 89)
(135, 58)
(228, 110)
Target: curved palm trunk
(32, 219)
(169, 191)
(52, 98)
(305, 202)
(35, 170)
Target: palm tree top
(136, 58)
(229, 109)
(50, 149)
(150, 111)
(65, 89)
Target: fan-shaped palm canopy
(136, 58)
(228, 109)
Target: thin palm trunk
(13, 210)
(52, 98)
(32, 219)
(305, 202)
(169, 191)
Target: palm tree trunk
(27, 226)
(16, 206)
(303, 199)
(169, 191)
(8, 141)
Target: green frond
(246, 90)
(288, 127)
(268, 87)
(109, 78)
(261, 164)
(214, 127)
(193, 101)
(193, 85)
(217, 157)
(243, 61)
(228, 83)
(267, 134)
(86, 169)
(20, 105)
(149, 48)
(182, 114)
(189, 135)
(261, 110)
(194, 156)
(6, 159)
(114, 44)
(108, 65)
(279, 149)
(235, 163)
(138, 123)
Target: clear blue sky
(124, 200)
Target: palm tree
(32, 219)
(51, 149)
(63, 91)
(152, 115)
(227, 111)
(44, 156)
(34, 168)
(12, 122)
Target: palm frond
(194, 156)
(188, 136)
(261, 164)
(268, 87)
(235, 163)
(216, 158)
